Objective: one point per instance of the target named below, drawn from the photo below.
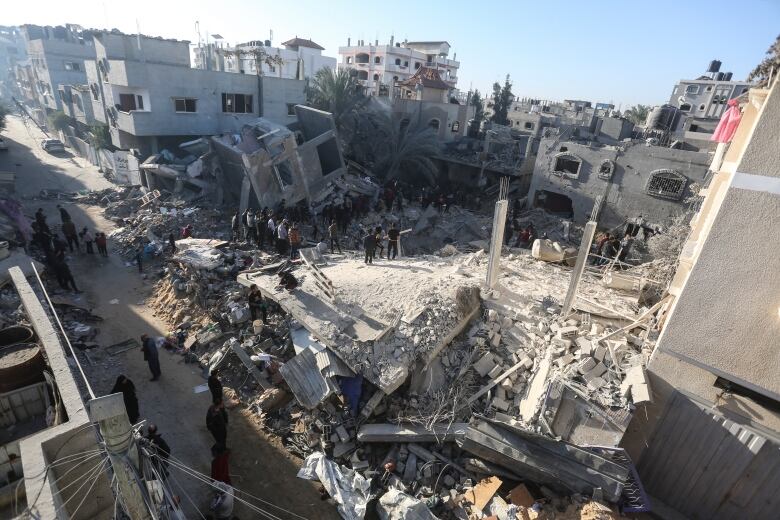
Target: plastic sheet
(397, 505)
(348, 488)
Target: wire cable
(95, 479)
(67, 340)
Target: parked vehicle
(53, 146)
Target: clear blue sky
(627, 52)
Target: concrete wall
(279, 96)
(150, 50)
(54, 54)
(446, 113)
(625, 191)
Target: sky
(623, 52)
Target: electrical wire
(95, 477)
(67, 340)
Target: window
(406, 64)
(666, 184)
(701, 107)
(127, 102)
(567, 165)
(72, 65)
(395, 79)
(528, 125)
(140, 102)
(362, 74)
(398, 61)
(708, 89)
(376, 77)
(290, 109)
(361, 58)
(692, 89)
(685, 107)
(349, 59)
(184, 104)
(563, 149)
(417, 65)
(434, 123)
(456, 126)
(377, 59)
(237, 103)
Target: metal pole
(110, 414)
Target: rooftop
(428, 76)
(303, 42)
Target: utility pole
(110, 414)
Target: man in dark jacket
(393, 235)
(215, 386)
(216, 422)
(69, 230)
(369, 244)
(151, 356)
(64, 215)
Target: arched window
(434, 123)
(666, 184)
(376, 77)
(398, 61)
(685, 107)
(361, 58)
(567, 165)
(362, 74)
(377, 59)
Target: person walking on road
(369, 244)
(124, 385)
(69, 230)
(88, 239)
(102, 244)
(151, 356)
(215, 386)
(216, 422)
(139, 258)
(64, 276)
(393, 235)
(64, 215)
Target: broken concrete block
(527, 362)
(586, 365)
(507, 383)
(640, 393)
(500, 393)
(520, 496)
(485, 364)
(499, 404)
(585, 345)
(342, 433)
(599, 353)
(567, 332)
(342, 448)
(495, 372)
(496, 340)
(596, 371)
(492, 315)
(596, 383)
(481, 494)
(564, 360)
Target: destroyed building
(267, 162)
(629, 178)
(709, 444)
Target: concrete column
(582, 259)
(496, 243)
(110, 414)
(246, 187)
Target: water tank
(719, 76)
(661, 118)
(20, 365)
(727, 76)
(16, 334)
(714, 66)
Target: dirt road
(116, 292)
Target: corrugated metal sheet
(310, 375)
(706, 466)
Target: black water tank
(16, 334)
(727, 76)
(714, 66)
(20, 365)
(719, 76)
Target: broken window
(284, 174)
(362, 74)
(184, 104)
(456, 126)
(290, 109)
(361, 58)
(685, 107)
(237, 103)
(666, 184)
(406, 64)
(349, 59)
(329, 156)
(606, 169)
(567, 164)
(528, 125)
(395, 79)
(126, 102)
(692, 89)
(72, 65)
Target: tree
(4, 111)
(502, 99)
(337, 92)
(637, 114)
(479, 106)
(405, 152)
(59, 120)
(769, 66)
(100, 137)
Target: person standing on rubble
(260, 225)
(380, 238)
(40, 219)
(333, 232)
(151, 356)
(393, 235)
(217, 421)
(282, 237)
(271, 227)
(369, 244)
(251, 226)
(234, 226)
(295, 241)
(69, 230)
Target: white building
(380, 67)
(300, 58)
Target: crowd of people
(55, 246)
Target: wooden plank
(756, 488)
(483, 492)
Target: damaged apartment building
(150, 97)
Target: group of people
(376, 238)
(610, 247)
(54, 247)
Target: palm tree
(637, 114)
(335, 91)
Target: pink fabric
(728, 123)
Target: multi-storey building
(298, 59)
(380, 67)
(13, 51)
(146, 91)
(56, 57)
